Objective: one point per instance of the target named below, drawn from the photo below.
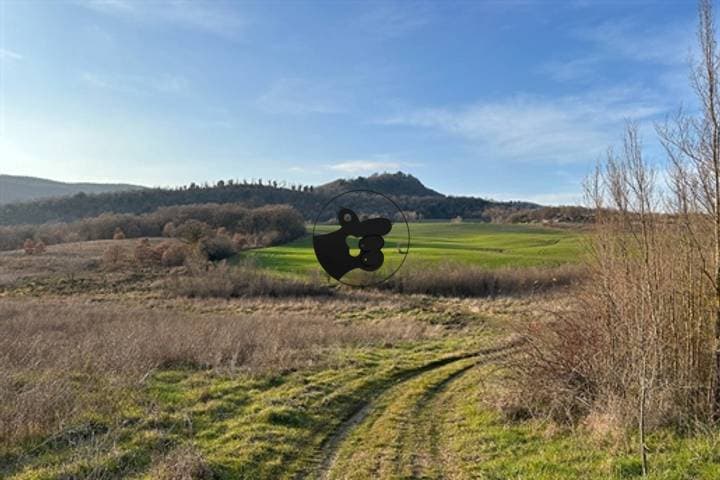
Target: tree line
(274, 223)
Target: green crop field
(482, 244)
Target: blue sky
(500, 99)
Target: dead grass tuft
(183, 463)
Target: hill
(386, 183)
(307, 200)
(15, 189)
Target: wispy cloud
(211, 17)
(569, 70)
(6, 54)
(563, 198)
(391, 20)
(626, 40)
(167, 84)
(529, 128)
(667, 44)
(363, 166)
(296, 96)
(380, 162)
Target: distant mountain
(15, 189)
(407, 192)
(397, 184)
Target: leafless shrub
(174, 255)
(218, 247)
(641, 346)
(40, 247)
(145, 255)
(457, 280)
(168, 230)
(276, 223)
(114, 257)
(29, 246)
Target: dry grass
(223, 281)
(62, 361)
(182, 463)
(457, 280)
(70, 259)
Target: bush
(39, 247)
(240, 241)
(29, 246)
(114, 256)
(145, 255)
(217, 248)
(174, 256)
(119, 234)
(193, 231)
(168, 230)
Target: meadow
(225, 372)
(484, 245)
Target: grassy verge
(243, 426)
(441, 426)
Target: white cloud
(211, 17)
(355, 167)
(530, 128)
(295, 96)
(562, 198)
(6, 54)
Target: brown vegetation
(223, 281)
(458, 280)
(266, 225)
(61, 361)
(641, 347)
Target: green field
(482, 244)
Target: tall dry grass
(63, 362)
(458, 280)
(207, 280)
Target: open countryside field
(129, 380)
(471, 243)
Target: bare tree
(693, 146)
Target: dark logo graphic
(359, 215)
(333, 252)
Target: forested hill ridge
(308, 200)
(397, 184)
(14, 189)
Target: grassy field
(105, 375)
(482, 244)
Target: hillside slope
(15, 189)
(308, 201)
